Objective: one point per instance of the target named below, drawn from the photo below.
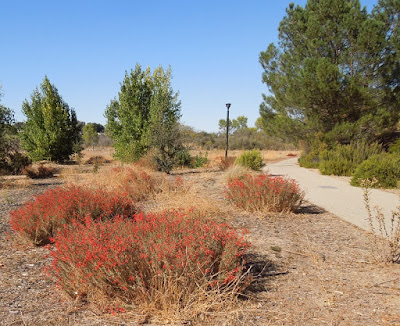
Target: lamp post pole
(228, 105)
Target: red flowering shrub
(136, 185)
(264, 193)
(157, 259)
(40, 218)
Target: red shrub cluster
(40, 218)
(264, 193)
(159, 258)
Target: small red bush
(40, 218)
(264, 193)
(159, 259)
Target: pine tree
(333, 73)
(51, 128)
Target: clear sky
(85, 47)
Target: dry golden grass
(106, 152)
(15, 182)
(236, 172)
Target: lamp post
(228, 105)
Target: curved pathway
(335, 195)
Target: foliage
(310, 160)
(16, 162)
(344, 159)
(336, 70)
(240, 139)
(11, 160)
(90, 136)
(251, 159)
(395, 147)
(184, 158)
(234, 124)
(199, 160)
(383, 167)
(168, 261)
(145, 115)
(51, 127)
(39, 172)
(42, 217)
(264, 193)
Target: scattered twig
(378, 284)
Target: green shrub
(395, 147)
(251, 159)
(344, 159)
(200, 161)
(384, 167)
(17, 162)
(310, 160)
(184, 158)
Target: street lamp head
(228, 105)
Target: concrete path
(335, 195)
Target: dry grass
(106, 153)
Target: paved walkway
(335, 195)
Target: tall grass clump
(264, 193)
(44, 215)
(251, 159)
(171, 262)
(385, 243)
(384, 168)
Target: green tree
(6, 130)
(51, 128)
(90, 136)
(335, 72)
(239, 123)
(145, 115)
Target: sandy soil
(310, 268)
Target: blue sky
(85, 47)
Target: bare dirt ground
(310, 268)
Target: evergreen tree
(51, 128)
(334, 72)
(145, 115)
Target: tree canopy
(51, 127)
(335, 71)
(89, 134)
(145, 114)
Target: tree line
(333, 78)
